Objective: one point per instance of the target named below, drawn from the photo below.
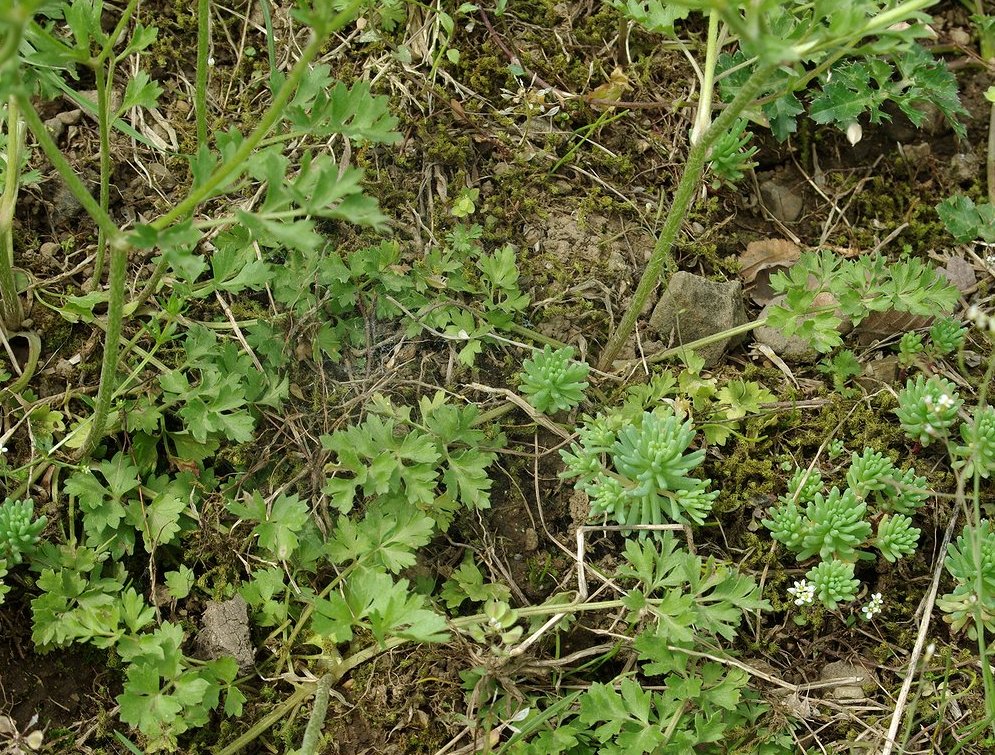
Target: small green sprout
(947, 336)
(19, 531)
(836, 527)
(910, 346)
(834, 582)
(964, 604)
(896, 536)
(978, 452)
(640, 473)
(553, 381)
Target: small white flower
(3, 449)
(944, 401)
(873, 607)
(803, 592)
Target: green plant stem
(107, 52)
(990, 163)
(690, 178)
(270, 42)
(108, 364)
(703, 116)
(203, 55)
(119, 246)
(357, 659)
(102, 76)
(676, 351)
(12, 312)
(19, 14)
(236, 162)
(28, 368)
(301, 694)
(979, 584)
(535, 335)
(312, 734)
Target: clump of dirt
(224, 631)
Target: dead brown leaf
(760, 260)
(878, 326)
(764, 254)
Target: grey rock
(783, 201)
(224, 631)
(965, 167)
(852, 690)
(693, 307)
(65, 208)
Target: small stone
(917, 153)
(960, 273)
(162, 176)
(959, 36)
(878, 371)
(782, 200)
(531, 540)
(694, 307)
(65, 206)
(225, 632)
(965, 167)
(855, 690)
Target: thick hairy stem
(108, 365)
(203, 56)
(102, 75)
(990, 165)
(12, 312)
(703, 116)
(693, 169)
(312, 734)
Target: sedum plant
(946, 337)
(20, 534)
(838, 526)
(973, 597)
(640, 471)
(978, 452)
(833, 582)
(928, 408)
(553, 381)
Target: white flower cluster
(873, 607)
(942, 403)
(980, 319)
(803, 592)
